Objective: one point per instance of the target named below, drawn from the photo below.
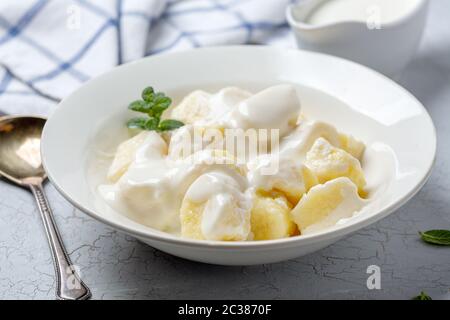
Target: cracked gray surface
(116, 266)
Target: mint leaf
(422, 296)
(168, 125)
(161, 105)
(152, 124)
(153, 105)
(148, 94)
(438, 237)
(139, 106)
(137, 123)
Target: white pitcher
(387, 47)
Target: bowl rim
(324, 235)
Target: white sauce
(386, 11)
(227, 206)
(277, 107)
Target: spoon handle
(69, 286)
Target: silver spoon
(20, 162)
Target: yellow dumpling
(328, 162)
(270, 218)
(215, 208)
(193, 108)
(234, 225)
(191, 214)
(352, 145)
(290, 179)
(126, 152)
(294, 189)
(326, 204)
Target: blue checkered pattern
(48, 48)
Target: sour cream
(277, 107)
(227, 207)
(386, 11)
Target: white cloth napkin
(48, 48)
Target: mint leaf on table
(437, 237)
(153, 105)
(422, 296)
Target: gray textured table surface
(118, 267)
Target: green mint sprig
(153, 104)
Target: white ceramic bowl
(354, 98)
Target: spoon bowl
(20, 157)
(21, 163)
